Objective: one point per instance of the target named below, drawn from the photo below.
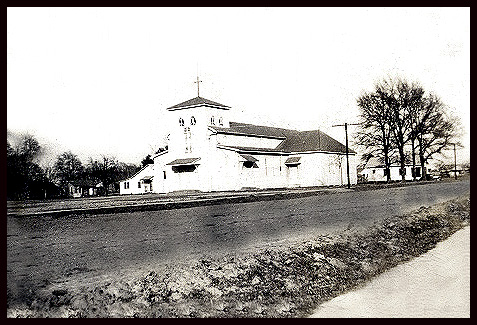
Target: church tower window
(221, 121)
(192, 121)
(188, 147)
(181, 121)
(212, 120)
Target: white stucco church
(208, 152)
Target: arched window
(212, 120)
(221, 121)
(181, 121)
(192, 121)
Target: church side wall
(224, 170)
(326, 169)
(270, 173)
(247, 141)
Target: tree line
(26, 179)
(401, 122)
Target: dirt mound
(281, 282)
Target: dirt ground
(276, 281)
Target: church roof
(314, 140)
(294, 141)
(257, 130)
(198, 101)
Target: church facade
(208, 152)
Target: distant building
(451, 171)
(374, 171)
(83, 188)
(208, 152)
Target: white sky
(98, 80)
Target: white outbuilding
(375, 171)
(208, 152)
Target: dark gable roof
(249, 158)
(293, 160)
(312, 141)
(197, 101)
(183, 161)
(250, 129)
(294, 141)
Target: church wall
(247, 141)
(161, 184)
(271, 171)
(224, 170)
(315, 169)
(326, 169)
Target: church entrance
(186, 177)
(249, 174)
(293, 175)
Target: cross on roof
(197, 82)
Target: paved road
(47, 249)
(435, 284)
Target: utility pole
(347, 159)
(455, 163)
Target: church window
(188, 147)
(164, 174)
(138, 184)
(212, 120)
(126, 185)
(192, 121)
(181, 121)
(221, 121)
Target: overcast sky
(97, 81)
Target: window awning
(183, 162)
(249, 158)
(147, 178)
(293, 161)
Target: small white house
(83, 188)
(141, 182)
(375, 171)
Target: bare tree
(411, 101)
(375, 128)
(147, 160)
(436, 129)
(105, 170)
(24, 175)
(68, 168)
(401, 98)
